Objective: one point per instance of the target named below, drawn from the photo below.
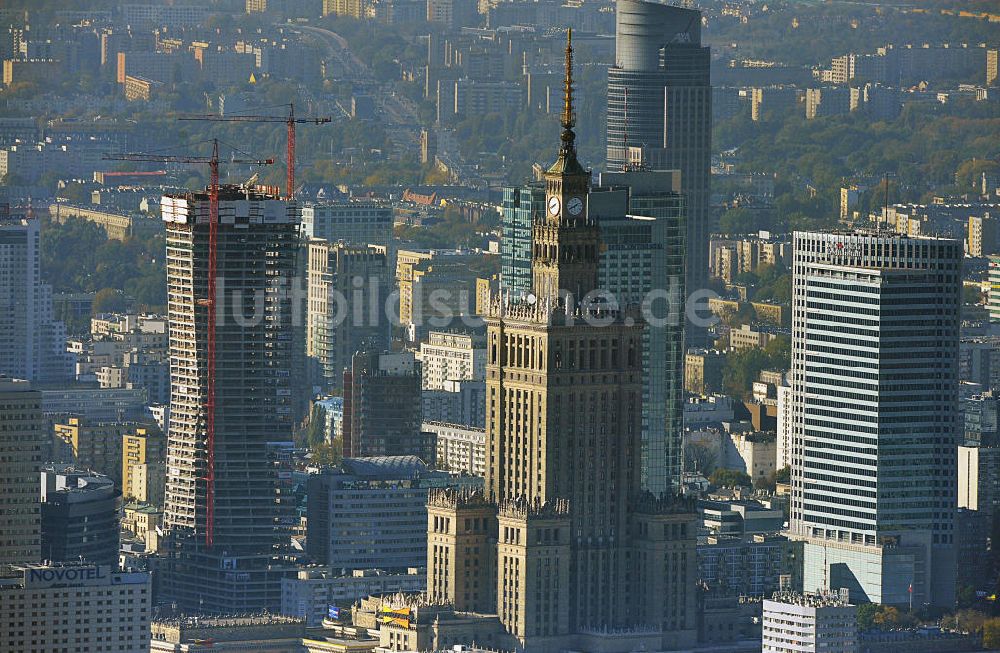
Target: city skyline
(499, 326)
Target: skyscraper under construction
(223, 513)
(564, 546)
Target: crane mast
(209, 302)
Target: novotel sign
(77, 575)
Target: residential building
(732, 256)
(76, 607)
(828, 101)
(333, 411)
(221, 506)
(711, 409)
(32, 342)
(979, 479)
(93, 445)
(348, 287)
(351, 8)
(778, 101)
(461, 448)
(877, 518)
(747, 337)
(659, 100)
(993, 297)
(755, 453)
(748, 566)
(563, 432)
(982, 235)
(809, 622)
(152, 15)
(310, 595)
(452, 356)
(382, 407)
(436, 287)
(703, 371)
(23, 444)
(144, 462)
(359, 223)
(79, 516)
(117, 225)
(371, 513)
(457, 402)
(97, 404)
(67, 157)
(992, 59)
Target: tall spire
(568, 116)
(567, 161)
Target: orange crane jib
(289, 120)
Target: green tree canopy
(723, 477)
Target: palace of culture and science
(564, 547)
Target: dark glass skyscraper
(660, 108)
(520, 208)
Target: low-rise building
(457, 402)
(746, 337)
(703, 371)
(794, 623)
(371, 513)
(461, 448)
(261, 633)
(748, 566)
(314, 590)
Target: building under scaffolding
(223, 514)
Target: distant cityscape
(482, 326)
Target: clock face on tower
(554, 205)
(574, 206)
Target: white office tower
(32, 342)
(875, 333)
(809, 623)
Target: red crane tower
(289, 120)
(209, 303)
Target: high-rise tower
(875, 332)
(255, 253)
(660, 102)
(574, 552)
(22, 447)
(32, 342)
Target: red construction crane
(289, 120)
(209, 303)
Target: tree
(783, 475)
(109, 300)
(327, 453)
(313, 433)
(866, 616)
(699, 457)
(887, 616)
(991, 633)
(723, 477)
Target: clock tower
(565, 241)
